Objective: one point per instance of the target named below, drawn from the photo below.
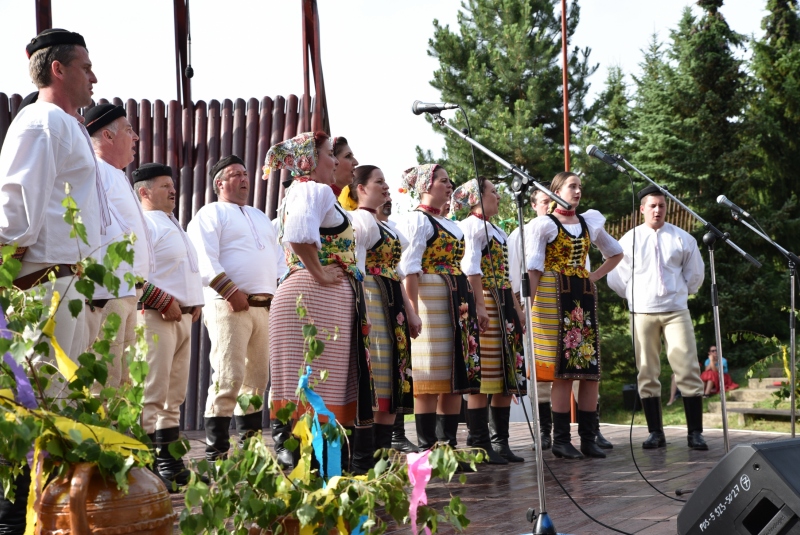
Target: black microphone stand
(793, 261)
(709, 239)
(521, 183)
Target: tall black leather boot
(587, 432)
(12, 515)
(170, 469)
(383, 436)
(248, 426)
(601, 440)
(426, 430)
(693, 408)
(545, 425)
(498, 427)
(447, 429)
(218, 437)
(479, 435)
(652, 413)
(362, 446)
(399, 440)
(562, 442)
(281, 432)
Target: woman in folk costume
(445, 356)
(394, 322)
(323, 273)
(500, 318)
(566, 336)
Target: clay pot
(83, 503)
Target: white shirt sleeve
(474, 243)
(204, 231)
(693, 267)
(306, 206)
(538, 233)
(603, 240)
(367, 235)
(619, 277)
(417, 230)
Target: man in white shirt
(114, 144)
(46, 148)
(668, 268)
(240, 262)
(177, 278)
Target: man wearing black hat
(114, 144)
(175, 282)
(240, 262)
(46, 148)
(668, 268)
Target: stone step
(712, 420)
(766, 382)
(716, 406)
(751, 394)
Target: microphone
(420, 107)
(724, 201)
(592, 150)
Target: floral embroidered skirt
(389, 345)
(566, 339)
(502, 365)
(286, 343)
(438, 367)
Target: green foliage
(85, 400)
(248, 488)
(503, 65)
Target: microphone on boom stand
(593, 151)
(420, 107)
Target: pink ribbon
(419, 473)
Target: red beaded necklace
(565, 213)
(431, 209)
(479, 216)
(303, 179)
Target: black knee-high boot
(426, 430)
(588, 434)
(362, 447)
(546, 425)
(12, 515)
(498, 427)
(479, 435)
(562, 445)
(218, 437)
(281, 432)
(399, 440)
(382, 435)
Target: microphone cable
(502, 319)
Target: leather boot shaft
(218, 437)
(426, 430)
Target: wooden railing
(191, 141)
(675, 215)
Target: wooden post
(565, 82)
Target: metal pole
(709, 240)
(565, 82)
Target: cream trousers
(239, 356)
(169, 347)
(125, 308)
(678, 332)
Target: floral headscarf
(298, 155)
(467, 194)
(419, 178)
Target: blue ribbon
(361, 521)
(25, 394)
(334, 467)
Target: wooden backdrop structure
(191, 140)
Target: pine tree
(504, 68)
(695, 137)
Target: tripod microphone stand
(709, 239)
(793, 261)
(520, 185)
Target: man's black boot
(652, 413)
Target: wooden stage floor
(611, 490)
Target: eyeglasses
(712, 350)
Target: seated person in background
(710, 376)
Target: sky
(374, 55)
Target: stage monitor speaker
(753, 490)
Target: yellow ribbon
(67, 368)
(345, 200)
